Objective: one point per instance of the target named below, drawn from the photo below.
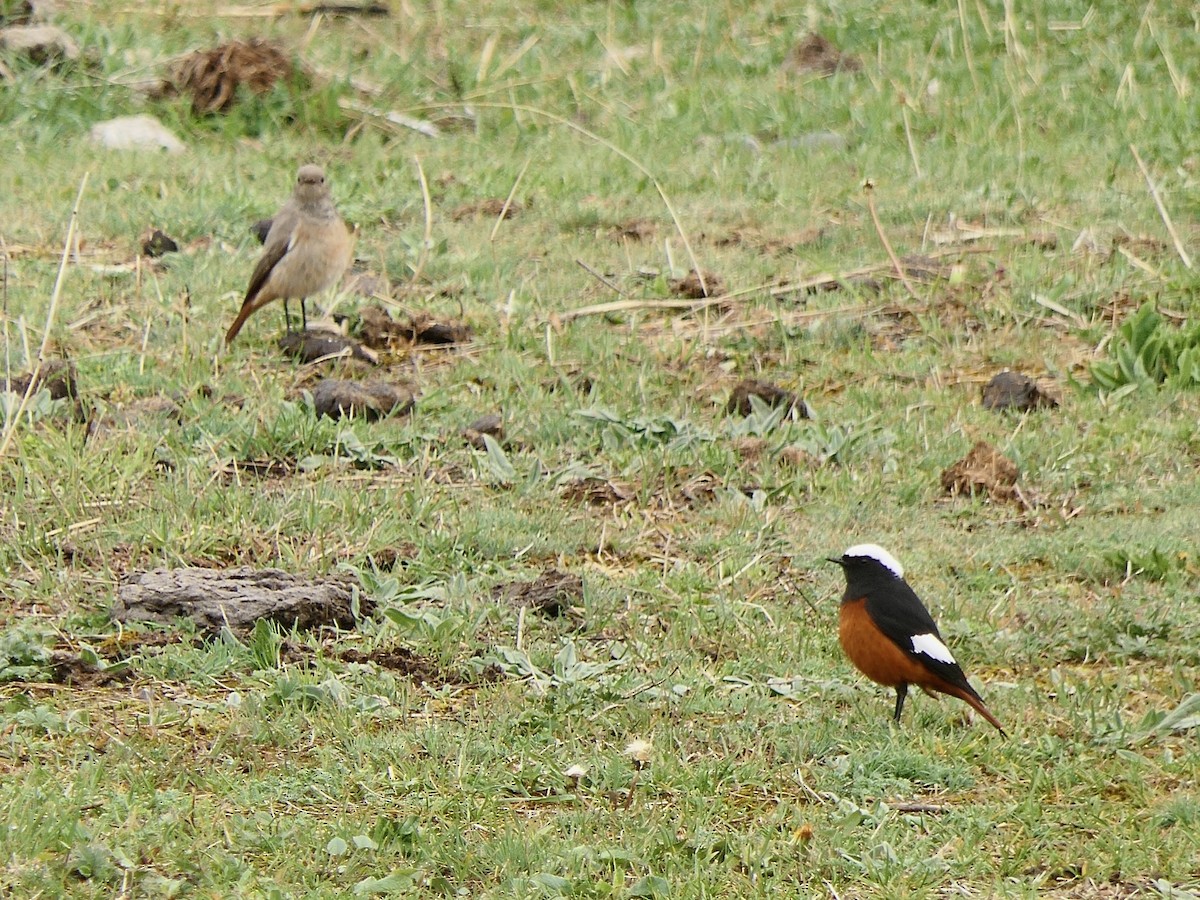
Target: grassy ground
(439, 757)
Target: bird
(889, 635)
(307, 249)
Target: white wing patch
(881, 556)
(929, 645)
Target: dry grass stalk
(10, 426)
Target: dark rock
(1012, 390)
(157, 243)
(768, 393)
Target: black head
(869, 570)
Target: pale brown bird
(306, 251)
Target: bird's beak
(836, 559)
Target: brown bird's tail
(242, 316)
(976, 702)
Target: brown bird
(307, 249)
(890, 636)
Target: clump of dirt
(73, 670)
(635, 230)
(693, 288)
(799, 458)
(380, 331)
(671, 491)
(398, 659)
(985, 471)
(424, 330)
(491, 425)
(238, 598)
(259, 468)
(157, 243)
(212, 77)
(56, 376)
(394, 555)
(598, 491)
(141, 414)
(770, 394)
(317, 344)
(491, 208)
(1013, 390)
(553, 593)
(573, 378)
(372, 400)
(776, 245)
(815, 53)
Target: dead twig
(869, 190)
(390, 116)
(1162, 210)
(600, 278)
(427, 240)
(508, 200)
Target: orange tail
(975, 701)
(242, 316)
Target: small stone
(41, 43)
(135, 133)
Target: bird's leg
(287, 318)
(901, 694)
(303, 316)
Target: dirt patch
(598, 492)
(72, 670)
(259, 468)
(213, 77)
(238, 598)
(635, 230)
(770, 394)
(56, 376)
(799, 458)
(816, 54)
(553, 594)
(672, 491)
(418, 668)
(691, 286)
(776, 245)
(370, 400)
(391, 557)
(985, 471)
(1012, 390)
(398, 659)
(492, 208)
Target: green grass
(281, 765)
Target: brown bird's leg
(901, 695)
(303, 316)
(287, 317)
